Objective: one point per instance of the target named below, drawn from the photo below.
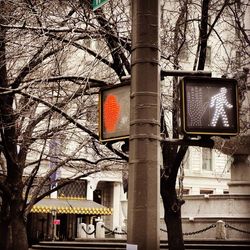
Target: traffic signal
(209, 106)
(114, 112)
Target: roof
(70, 206)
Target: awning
(70, 206)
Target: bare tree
(173, 155)
(54, 57)
(48, 93)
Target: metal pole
(144, 151)
(200, 73)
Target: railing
(101, 231)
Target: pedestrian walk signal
(209, 106)
(114, 113)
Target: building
(101, 194)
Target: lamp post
(53, 212)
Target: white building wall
(197, 179)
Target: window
(98, 196)
(208, 55)
(185, 191)
(238, 59)
(209, 21)
(36, 184)
(239, 4)
(74, 189)
(206, 191)
(207, 159)
(183, 55)
(185, 161)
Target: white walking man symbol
(220, 102)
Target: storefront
(58, 218)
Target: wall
(201, 211)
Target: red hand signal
(111, 113)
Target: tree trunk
(4, 232)
(19, 234)
(203, 35)
(13, 234)
(172, 205)
(171, 157)
(12, 225)
(172, 215)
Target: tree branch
(33, 201)
(73, 121)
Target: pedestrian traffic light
(209, 106)
(114, 112)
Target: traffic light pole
(144, 150)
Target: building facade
(101, 196)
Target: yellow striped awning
(70, 206)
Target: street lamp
(53, 212)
